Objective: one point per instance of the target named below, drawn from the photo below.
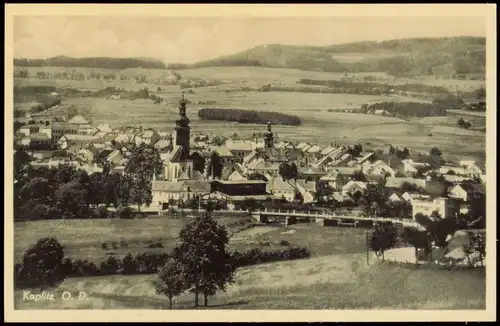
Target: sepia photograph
(243, 162)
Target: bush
(125, 212)
(157, 244)
(284, 243)
(104, 245)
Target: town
(241, 172)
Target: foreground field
(330, 282)
(83, 239)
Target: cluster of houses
(251, 168)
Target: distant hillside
(96, 62)
(405, 57)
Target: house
(88, 154)
(334, 158)
(353, 188)
(281, 189)
(104, 127)
(122, 138)
(381, 112)
(327, 149)
(407, 196)
(225, 154)
(39, 141)
(466, 190)
(395, 198)
(239, 190)
(314, 150)
(164, 192)
(60, 129)
(307, 189)
(150, 137)
(471, 170)
(87, 130)
(116, 158)
(431, 187)
(78, 120)
(378, 168)
(311, 173)
(236, 176)
(332, 178)
(74, 141)
(446, 207)
(262, 167)
(364, 157)
(239, 148)
(163, 146)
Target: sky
(192, 39)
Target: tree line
(370, 88)
(68, 193)
(248, 116)
(406, 109)
(95, 62)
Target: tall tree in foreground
(170, 281)
(202, 253)
(383, 237)
(418, 239)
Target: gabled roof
(308, 170)
(398, 182)
(223, 151)
(277, 184)
(234, 145)
(38, 137)
(78, 119)
(352, 183)
(148, 133)
(179, 154)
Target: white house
(353, 187)
(444, 206)
(281, 189)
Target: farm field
(328, 282)
(82, 239)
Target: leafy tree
(376, 194)
(411, 188)
(423, 220)
(37, 188)
(140, 192)
(198, 162)
(479, 245)
(440, 229)
(170, 279)
(70, 200)
(202, 253)
(250, 205)
(144, 161)
(476, 205)
(418, 239)
(434, 151)
(123, 190)
(215, 165)
(41, 265)
(383, 237)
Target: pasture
(328, 282)
(82, 239)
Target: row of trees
(406, 109)
(64, 192)
(374, 88)
(248, 116)
(97, 62)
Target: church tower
(268, 136)
(182, 129)
(181, 165)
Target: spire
(268, 136)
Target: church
(179, 181)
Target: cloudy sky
(187, 40)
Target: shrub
(104, 245)
(125, 212)
(284, 243)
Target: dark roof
(179, 155)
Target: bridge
(327, 219)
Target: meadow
(328, 282)
(83, 239)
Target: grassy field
(329, 282)
(82, 239)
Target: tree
(123, 191)
(215, 165)
(41, 264)
(434, 151)
(383, 237)
(202, 253)
(140, 192)
(411, 188)
(170, 279)
(249, 204)
(479, 245)
(460, 122)
(71, 201)
(476, 205)
(376, 194)
(440, 229)
(144, 161)
(418, 239)
(198, 162)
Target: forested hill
(419, 56)
(95, 62)
(404, 57)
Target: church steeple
(182, 130)
(268, 136)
